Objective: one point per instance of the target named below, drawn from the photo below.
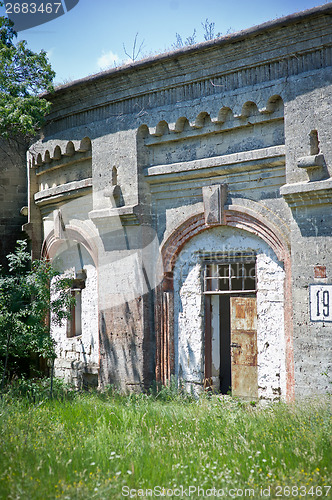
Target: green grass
(93, 446)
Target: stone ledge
(308, 193)
(58, 193)
(271, 156)
(129, 215)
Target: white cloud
(49, 53)
(108, 59)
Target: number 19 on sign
(321, 303)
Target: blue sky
(91, 36)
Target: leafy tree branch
(26, 300)
(24, 75)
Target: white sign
(321, 303)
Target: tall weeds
(96, 446)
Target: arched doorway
(224, 283)
(76, 338)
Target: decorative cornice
(112, 105)
(304, 194)
(129, 215)
(272, 156)
(63, 192)
(60, 157)
(273, 52)
(225, 122)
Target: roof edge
(164, 56)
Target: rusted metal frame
(164, 311)
(246, 309)
(158, 321)
(207, 344)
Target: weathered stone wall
(122, 168)
(311, 224)
(77, 359)
(13, 194)
(189, 308)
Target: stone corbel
(114, 194)
(214, 200)
(59, 225)
(315, 166)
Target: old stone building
(13, 194)
(190, 196)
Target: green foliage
(173, 391)
(38, 390)
(25, 302)
(23, 76)
(92, 447)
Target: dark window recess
(74, 324)
(90, 380)
(230, 277)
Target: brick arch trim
(241, 218)
(235, 217)
(51, 244)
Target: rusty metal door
(244, 347)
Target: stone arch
(47, 157)
(39, 160)
(162, 129)
(70, 149)
(202, 120)
(182, 124)
(249, 108)
(75, 254)
(57, 153)
(85, 144)
(52, 243)
(274, 103)
(143, 131)
(225, 114)
(236, 217)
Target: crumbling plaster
(238, 111)
(78, 356)
(189, 308)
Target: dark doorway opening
(230, 331)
